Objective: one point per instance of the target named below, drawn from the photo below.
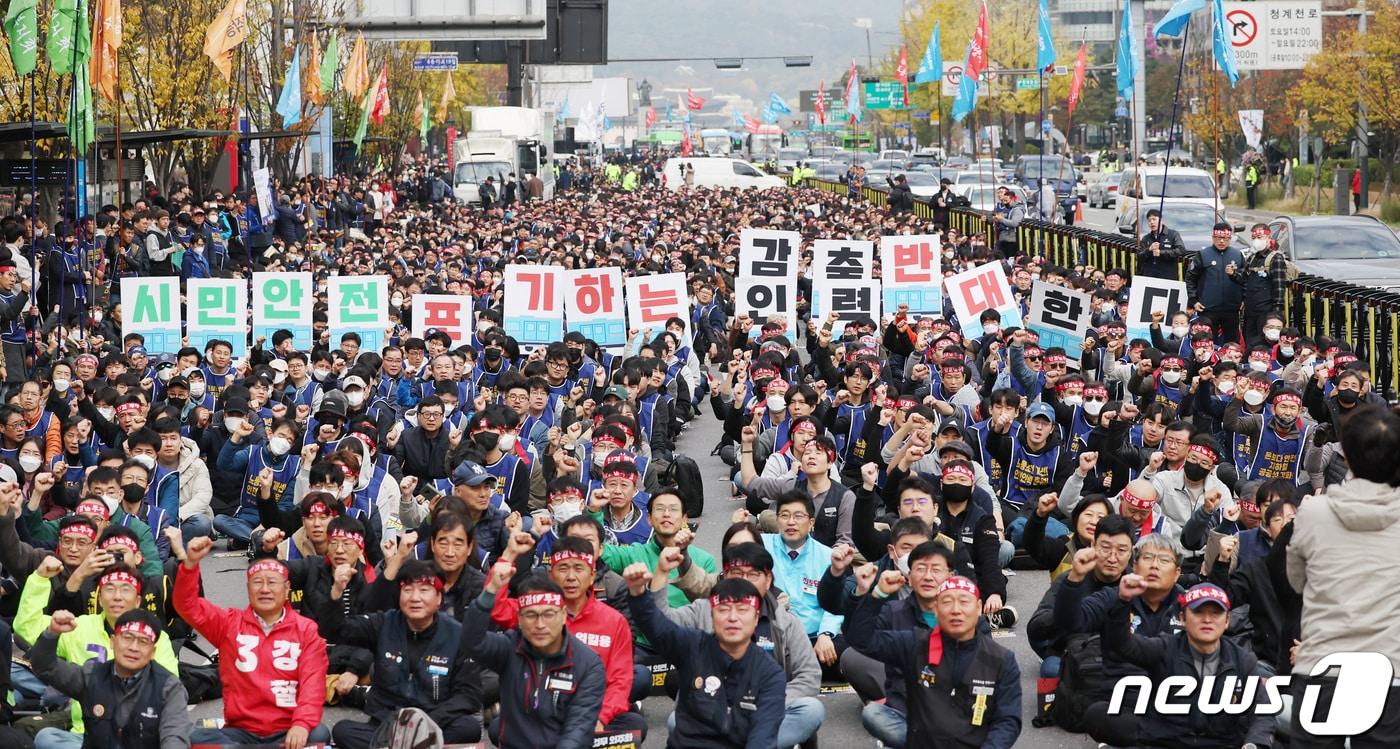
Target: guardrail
(1365, 318)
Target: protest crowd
(451, 443)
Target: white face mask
(1093, 408)
(61, 385)
(279, 445)
(1258, 365)
(991, 329)
(1272, 333)
(197, 389)
(901, 562)
(1253, 397)
(279, 378)
(1225, 387)
(1171, 377)
(1072, 400)
(165, 374)
(232, 423)
(346, 489)
(506, 443)
(355, 398)
(112, 501)
(1285, 350)
(776, 404)
(397, 300)
(1202, 354)
(30, 463)
(320, 374)
(107, 413)
(146, 460)
(1259, 243)
(564, 511)
(1180, 331)
(448, 408)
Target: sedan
(1103, 189)
(1353, 249)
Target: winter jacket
(617, 558)
(1208, 281)
(272, 681)
(547, 699)
(1340, 560)
(196, 490)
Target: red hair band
(750, 601)
(433, 580)
(959, 583)
(92, 507)
(79, 529)
(128, 407)
(127, 543)
(1133, 500)
(268, 565)
(137, 628)
(958, 471)
(566, 555)
(1205, 452)
(1288, 398)
(118, 577)
(341, 534)
(543, 598)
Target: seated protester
(313, 577)
(242, 452)
(1036, 462)
(565, 502)
(800, 560)
(935, 665)
(308, 537)
(474, 486)
(272, 660)
(731, 691)
(1282, 441)
(422, 450)
(573, 567)
(798, 405)
(1198, 651)
(886, 716)
(451, 547)
(1255, 543)
(163, 484)
(1138, 501)
(136, 501)
(77, 592)
(778, 633)
(802, 429)
(127, 698)
(916, 498)
(619, 504)
(832, 501)
(1056, 554)
(419, 661)
(560, 710)
(666, 514)
(491, 435)
(118, 592)
(19, 557)
(977, 537)
(1181, 492)
(179, 463)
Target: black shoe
(236, 545)
(355, 697)
(1003, 618)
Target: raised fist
(841, 557)
(1085, 561)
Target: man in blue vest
(1036, 461)
(14, 299)
(1281, 438)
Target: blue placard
(240, 343)
(922, 300)
(432, 62)
(536, 330)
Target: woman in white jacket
(196, 491)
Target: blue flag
(1045, 47)
(769, 116)
(853, 97)
(931, 65)
(738, 121)
(1124, 58)
(777, 104)
(966, 100)
(563, 110)
(1224, 51)
(289, 103)
(1174, 22)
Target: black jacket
(901, 198)
(422, 456)
(1167, 263)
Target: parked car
(1156, 185)
(1193, 222)
(1103, 189)
(1354, 249)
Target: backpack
(684, 474)
(1082, 682)
(201, 682)
(1290, 270)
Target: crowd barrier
(1366, 318)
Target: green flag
(425, 123)
(330, 62)
(81, 125)
(22, 27)
(364, 122)
(69, 44)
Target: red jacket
(602, 629)
(271, 682)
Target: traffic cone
(1079, 212)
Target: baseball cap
(616, 391)
(959, 446)
(352, 381)
(470, 473)
(1204, 593)
(1041, 410)
(236, 405)
(279, 365)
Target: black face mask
(956, 493)
(486, 440)
(1348, 398)
(133, 493)
(178, 402)
(493, 353)
(1196, 472)
(575, 355)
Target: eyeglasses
(129, 638)
(1167, 560)
(543, 615)
(430, 414)
(74, 542)
(745, 573)
(793, 516)
(1116, 552)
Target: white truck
(503, 141)
(715, 141)
(765, 144)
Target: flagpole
(1171, 133)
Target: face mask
(955, 493)
(991, 329)
(565, 511)
(198, 249)
(178, 403)
(396, 300)
(1348, 397)
(146, 460)
(346, 489)
(487, 441)
(30, 463)
(1093, 408)
(1171, 377)
(279, 378)
(232, 423)
(1272, 333)
(1202, 354)
(61, 385)
(448, 408)
(902, 563)
(1259, 244)
(197, 389)
(1225, 387)
(1285, 350)
(1253, 397)
(355, 398)
(165, 374)
(1180, 331)
(575, 356)
(320, 374)
(112, 501)
(97, 317)
(133, 493)
(776, 404)
(506, 443)
(493, 353)
(1072, 400)
(1196, 472)
(1258, 365)
(107, 413)
(279, 445)
(1107, 307)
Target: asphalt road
(224, 585)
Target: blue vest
(504, 471)
(996, 472)
(848, 442)
(1168, 394)
(1079, 428)
(304, 396)
(1029, 475)
(40, 430)
(11, 331)
(1278, 458)
(283, 478)
(215, 383)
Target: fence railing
(1365, 318)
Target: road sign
(1274, 34)
(884, 95)
(433, 62)
(807, 98)
(952, 76)
(919, 114)
(1028, 84)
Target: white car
(1160, 185)
(719, 172)
(983, 196)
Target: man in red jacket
(597, 625)
(272, 660)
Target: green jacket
(47, 530)
(619, 557)
(89, 640)
(1251, 177)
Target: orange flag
(225, 33)
(106, 40)
(356, 77)
(448, 94)
(313, 81)
(381, 96)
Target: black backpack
(1082, 682)
(684, 474)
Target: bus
(858, 142)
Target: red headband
(565, 555)
(120, 576)
(319, 508)
(92, 507)
(138, 628)
(544, 598)
(751, 601)
(607, 439)
(129, 544)
(618, 472)
(565, 495)
(432, 580)
(830, 453)
(953, 470)
(1056, 359)
(1095, 390)
(358, 538)
(1288, 398)
(366, 439)
(1168, 361)
(1205, 452)
(959, 583)
(1221, 233)
(128, 407)
(1133, 500)
(268, 565)
(806, 426)
(79, 529)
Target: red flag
(651, 116)
(821, 103)
(685, 145)
(901, 72)
(977, 56)
(381, 96)
(1076, 82)
(693, 102)
(751, 125)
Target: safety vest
(1277, 457)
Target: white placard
(1061, 317)
(534, 303)
(217, 309)
(843, 259)
(767, 283)
(1274, 34)
(448, 313)
(977, 290)
(1147, 295)
(594, 305)
(360, 305)
(851, 300)
(652, 300)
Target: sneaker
(1003, 618)
(413, 729)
